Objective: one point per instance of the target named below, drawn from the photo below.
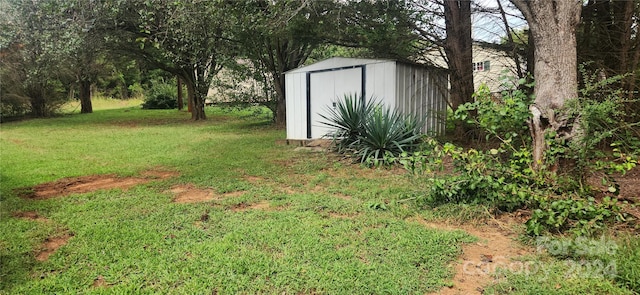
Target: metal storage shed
(410, 88)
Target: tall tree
(33, 58)
(185, 38)
(272, 37)
(553, 26)
(458, 48)
(455, 43)
(380, 29)
(608, 40)
(83, 46)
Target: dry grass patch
(188, 193)
(241, 207)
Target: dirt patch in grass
(99, 282)
(51, 245)
(241, 207)
(30, 215)
(188, 193)
(159, 174)
(253, 179)
(86, 184)
(474, 269)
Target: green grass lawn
(320, 225)
(322, 232)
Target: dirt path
(478, 262)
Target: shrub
(13, 105)
(504, 117)
(162, 95)
(502, 177)
(372, 132)
(348, 119)
(387, 133)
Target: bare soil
(262, 205)
(86, 184)
(188, 193)
(51, 245)
(30, 215)
(474, 269)
(99, 282)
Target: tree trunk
(280, 116)
(552, 24)
(180, 100)
(38, 104)
(458, 48)
(85, 97)
(196, 103)
(196, 100)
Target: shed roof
(337, 62)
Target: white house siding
(500, 64)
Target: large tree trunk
(38, 104)
(552, 24)
(85, 97)
(458, 48)
(196, 100)
(196, 92)
(280, 118)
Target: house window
(482, 66)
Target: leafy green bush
(503, 178)
(580, 215)
(504, 117)
(13, 105)
(162, 95)
(372, 132)
(495, 177)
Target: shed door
(326, 88)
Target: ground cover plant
(207, 207)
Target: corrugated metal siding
(409, 88)
(337, 62)
(381, 84)
(418, 92)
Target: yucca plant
(370, 131)
(388, 132)
(348, 119)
